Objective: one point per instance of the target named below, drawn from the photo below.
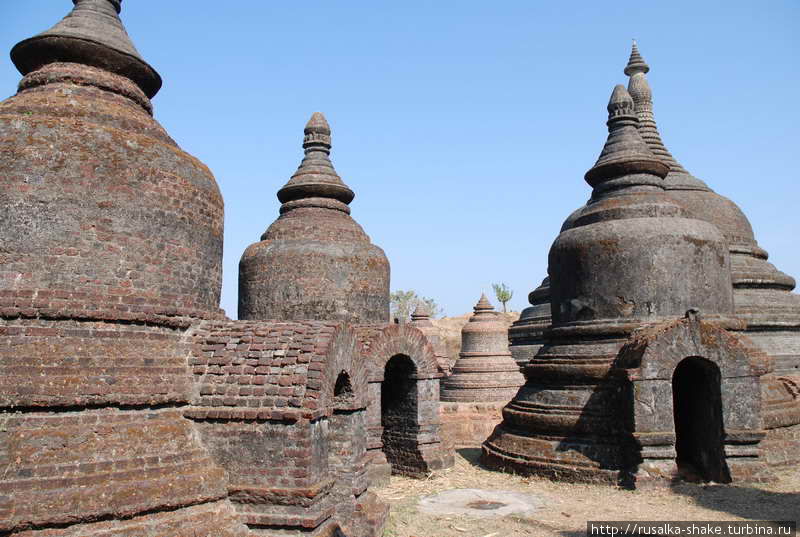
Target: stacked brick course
(129, 405)
(97, 291)
(266, 405)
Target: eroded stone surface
(315, 262)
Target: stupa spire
(91, 34)
(316, 176)
(483, 305)
(642, 95)
(636, 63)
(625, 153)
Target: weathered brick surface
(265, 404)
(468, 425)
(145, 245)
(215, 519)
(315, 261)
(111, 248)
(69, 363)
(405, 439)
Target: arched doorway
(697, 411)
(399, 413)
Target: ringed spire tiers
(91, 34)
(315, 262)
(762, 293)
(640, 91)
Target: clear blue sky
(464, 127)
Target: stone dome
(632, 252)
(315, 262)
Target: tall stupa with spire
(111, 249)
(639, 291)
(762, 294)
(315, 262)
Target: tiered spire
(316, 176)
(483, 307)
(625, 152)
(91, 34)
(642, 95)
(421, 313)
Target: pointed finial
(317, 133)
(91, 34)
(636, 63)
(625, 152)
(316, 176)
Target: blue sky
(464, 127)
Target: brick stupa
(483, 379)
(112, 246)
(638, 379)
(315, 262)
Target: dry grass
(566, 507)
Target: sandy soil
(566, 508)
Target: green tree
(503, 293)
(403, 304)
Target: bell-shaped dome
(314, 262)
(631, 252)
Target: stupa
(762, 294)
(639, 378)
(421, 320)
(483, 379)
(112, 247)
(315, 262)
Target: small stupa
(315, 262)
(421, 320)
(483, 379)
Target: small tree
(503, 293)
(403, 304)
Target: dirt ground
(566, 508)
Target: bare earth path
(566, 508)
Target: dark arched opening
(697, 411)
(399, 413)
(343, 390)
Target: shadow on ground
(472, 456)
(745, 502)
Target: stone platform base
(467, 425)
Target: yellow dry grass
(567, 507)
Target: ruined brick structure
(129, 405)
(484, 379)
(403, 415)
(632, 384)
(282, 407)
(762, 295)
(315, 261)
